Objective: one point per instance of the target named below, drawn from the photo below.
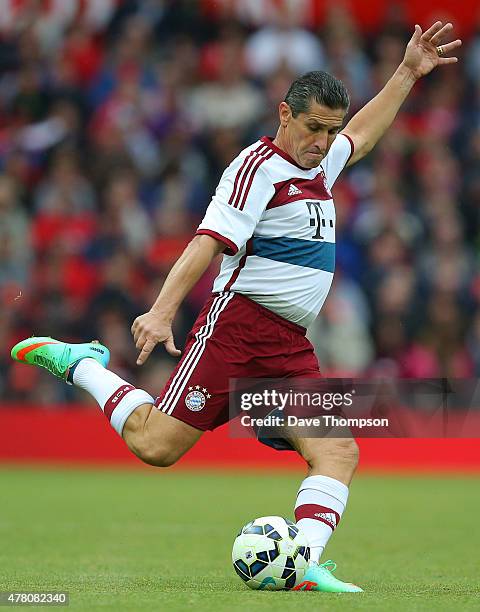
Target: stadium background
(117, 119)
(116, 122)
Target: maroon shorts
(233, 337)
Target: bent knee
(158, 455)
(340, 450)
(348, 448)
(162, 440)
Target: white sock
(320, 503)
(117, 398)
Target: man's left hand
(426, 50)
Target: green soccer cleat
(319, 577)
(58, 357)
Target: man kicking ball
(273, 217)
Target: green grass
(161, 540)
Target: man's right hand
(156, 325)
(148, 330)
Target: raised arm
(423, 53)
(156, 325)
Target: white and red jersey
(278, 222)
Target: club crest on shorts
(196, 398)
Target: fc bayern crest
(196, 398)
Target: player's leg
(321, 501)
(196, 394)
(154, 437)
(323, 494)
(157, 438)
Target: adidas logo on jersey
(292, 190)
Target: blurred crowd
(117, 119)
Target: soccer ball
(270, 553)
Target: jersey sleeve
(239, 201)
(337, 158)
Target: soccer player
(273, 218)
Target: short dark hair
(322, 87)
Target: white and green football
(270, 553)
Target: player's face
(309, 136)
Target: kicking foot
(58, 357)
(319, 577)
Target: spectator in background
(283, 43)
(65, 187)
(15, 245)
(257, 14)
(446, 263)
(438, 349)
(124, 214)
(344, 322)
(229, 100)
(345, 56)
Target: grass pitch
(161, 540)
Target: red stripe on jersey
(241, 265)
(253, 158)
(250, 180)
(248, 159)
(352, 146)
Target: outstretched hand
(148, 330)
(426, 50)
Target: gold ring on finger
(440, 51)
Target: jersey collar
(268, 140)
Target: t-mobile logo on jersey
(317, 219)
